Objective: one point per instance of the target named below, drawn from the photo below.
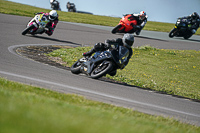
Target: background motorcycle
(101, 63)
(55, 5)
(125, 25)
(71, 7)
(181, 29)
(37, 25)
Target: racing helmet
(51, 1)
(53, 15)
(194, 15)
(142, 15)
(128, 40)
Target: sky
(157, 10)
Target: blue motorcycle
(101, 63)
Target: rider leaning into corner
(141, 21)
(53, 20)
(194, 19)
(127, 41)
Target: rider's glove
(136, 26)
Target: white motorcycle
(37, 25)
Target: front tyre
(172, 33)
(25, 31)
(101, 70)
(75, 68)
(116, 29)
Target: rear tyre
(102, 70)
(116, 29)
(25, 31)
(172, 33)
(75, 68)
(187, 36)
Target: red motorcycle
(125, 25)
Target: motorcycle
(71, 7)
(125, 25)
(102, 63)
(55, 5)
(37, 25)
(181, 29)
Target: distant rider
(194, 19)
(53, 20)
(55, 5)
(141, 21)
(71, 7)
(127, 41)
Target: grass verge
(174, 72)
(31, 109)
(8, 7)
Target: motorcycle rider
(194, 19)
(127, 41)
(54, 5)
(53, 20)
(71, 7)
(141, 21)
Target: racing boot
(113, 73)
(138, 32)
(89, 53)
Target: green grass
(175, 72)
(7, 7)
(28, 109)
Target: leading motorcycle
(125, 25)
(102, 63)
(37, 25)
(181, 29)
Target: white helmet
(51, 1)
(142, 15)
(53, 15)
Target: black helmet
(194, 15)
(128, 40)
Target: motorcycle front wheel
(75, 68)
(25, 31)
(172, 33)
(116, 29)
(102, 70)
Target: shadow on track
(55, 40)
(192, 40)
(151, 38)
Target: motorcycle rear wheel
(75, 68)
(25, 31)
(172, 33)
(187, 36)
(100, 71)
(116, 29)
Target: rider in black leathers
(71, 7)
(194, 19)
(127, 41)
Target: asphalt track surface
(17, 68)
